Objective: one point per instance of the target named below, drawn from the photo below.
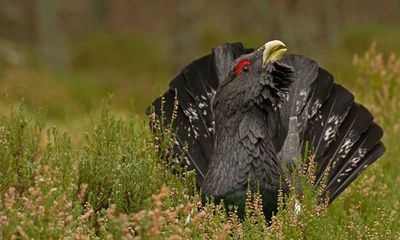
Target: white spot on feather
(191, 113)
(347, 145)
(195, 131)
(302, 99)
(187, 161)
(333, 127)
(360, 155)
(211, 94)
(314, 108)
(329, 133)
(202, 105)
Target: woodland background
(73, 159)
(74, 52)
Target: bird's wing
(322, 116)
(194, 88)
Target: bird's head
(257, 78)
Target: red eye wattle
(243, 66)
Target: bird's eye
(243, 67)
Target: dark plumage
(246, 116)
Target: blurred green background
(66, 57)
(69, 55)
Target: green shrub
(119, 164)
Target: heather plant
(379, 82)
(123, 182)
(118, 164)
(19, 147)
(298, 217)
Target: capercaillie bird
(247, 114)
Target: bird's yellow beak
(273, 51)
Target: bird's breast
(243, 152)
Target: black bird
(247, 114)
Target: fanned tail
(340, 132)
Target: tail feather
(355, 124)
(332, 115)
(342, 135)
(340, 132)
(367, 150)
(164, 106)
(321, 92)
(371, 157)
(193, 116)
(322, 89)
(325, 126)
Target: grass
(111, 184)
